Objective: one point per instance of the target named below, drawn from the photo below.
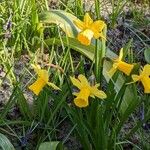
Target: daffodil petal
(146, 70)
(76, 82)
(53, 86)
(75, 94)
(144, 77)
(135, 78)
(36, 68)
(92, 96)
(112, 70)
(120, 54)
(83, 80)
(146, 83)
(99, 35)
(98, 93)
(97, 85)
(43, 74)
(98, 25)
(37, 86)
(87, 20)
(79, 24)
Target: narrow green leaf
(23, 104)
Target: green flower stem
(104, 42)
(100, 51)
(97, 60)
(79, 7)
(97, 8)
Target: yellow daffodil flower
(85, 91)
(121, 65)
(144, 77)
(41, 81)
(89, 29)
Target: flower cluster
(126, 68)
(88, 30)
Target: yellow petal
(37, 86)
(53, 86)
(113, 70)
(135, 78)
(87, 20)
(76, 82)
(120, 54)
(91, 95)
(85, 37)
(82, 99)
(36, 68)
(79, 24)
(146, 83)
(98, 25)
(84, 81)
(43, 74)
(98, 35)
(97, 85)
(125, 67)
(98, 93)
(146, 70)
(75, 94)
(144, 77)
